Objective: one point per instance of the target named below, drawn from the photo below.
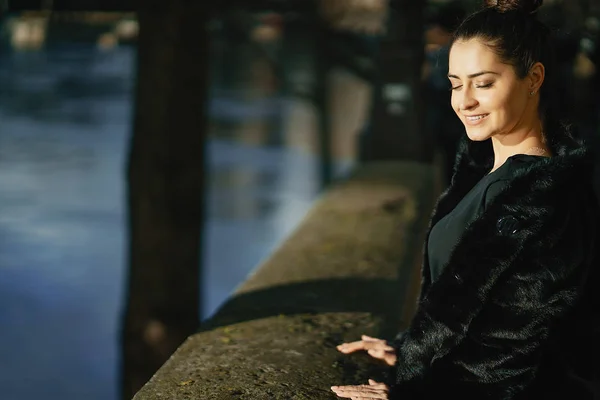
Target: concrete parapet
(350, 268)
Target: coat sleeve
(479, 330)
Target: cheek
(507, 105)
(509, 110)
(499, 105)
(492, 102)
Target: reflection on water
(64, 113)
(64, 124)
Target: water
(65, 114)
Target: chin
(477, 135)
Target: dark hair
(510, 29)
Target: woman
(506, 309)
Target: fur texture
(511, 316)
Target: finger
(359, 390)
(354, 388)
(379, 352)
(369, 397)
(341, 392)
(391, 358)
(361, 394)
(370, 339)
(364, 345)
(376, 353)
(378, 385)
(351, 347)
(377, 344)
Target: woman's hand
(377, 348)
(374, 390)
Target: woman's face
(487, 95)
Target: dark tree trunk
(396, 125)
(165, 187)
(322, 66)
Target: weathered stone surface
(344, 272)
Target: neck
(530, 142)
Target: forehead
(471, 56)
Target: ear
(536, 77)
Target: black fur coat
(512, 315)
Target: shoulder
(521, 210)
(493, 190)
(540, 194)
(525, 182)
(543, 181)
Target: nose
(467, 100)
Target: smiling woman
(506, 309)
(493, 101)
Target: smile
(474, 119)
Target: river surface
(65, 113)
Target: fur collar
(535, 184)
(571, 157)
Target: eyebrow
(475, 75)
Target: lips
(475, 119)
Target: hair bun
(526, 6)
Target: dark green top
(446, 233)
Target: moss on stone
(344, 272)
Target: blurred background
(289, 96)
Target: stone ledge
(346, 271)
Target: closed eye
(484, 86)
